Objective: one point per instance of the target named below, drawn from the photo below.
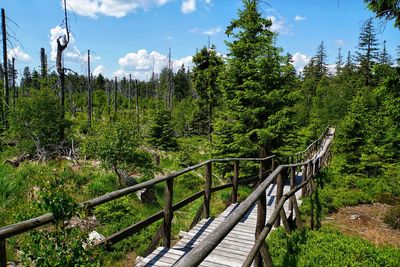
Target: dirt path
(365, 221)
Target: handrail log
(264, 233)
(200, 252)
(21, 227)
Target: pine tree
(162, 135)
(321, 58)
(339, 61)
(385, 57)
(208, 66)
(367, 53)
(398, 55)
(182, 84)
(255, 120)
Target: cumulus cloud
(188, 6)
(278, 24)
(19, 55)
(140, 64)
(211, 31)
(112, 8)
(99, 70)
(71, 52)
(300, 61)
(299, 18)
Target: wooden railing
(319, 156)
(166, 214)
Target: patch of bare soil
(365, 221)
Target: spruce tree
(367, 53)
(321, 58)
(385, 57)
(339, 61)
(255, 119)
(182, 84)
(208, 66)
(398, 55)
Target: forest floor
(365, 221)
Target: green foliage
(118, 146)
(258, 104)
(161, 133)
(102, 184)
(327, 247)
(36, 122)
(385, 9)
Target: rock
(148, 197)
(83, 224)
(354, 217)
(94, 239)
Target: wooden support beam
(3, 254)
(261, 213)
(235, 181)
(207, 190)
(279, 193)
(168, 212)
(299, 223)
(303, 178)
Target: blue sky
(127, 36)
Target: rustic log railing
(166, 214)
(318, 157)
(196, 255)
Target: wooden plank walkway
(232, 251)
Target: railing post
(292, 186)
(235, 181)
(207, 190)
(3, 253)
(168, 212)
(310, 172)
(303, 178)
(261, 213)
(279, 194)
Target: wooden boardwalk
(235, 247)
(233, 250)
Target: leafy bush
(392, 217)
(118, 146)
(327, 247)
(36, 121)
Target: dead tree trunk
(62, 43)
(90, 94)
(115, 98)
(5, 65)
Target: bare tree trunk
(62, 43)
(115, 98)
(5, 65)
(90, 94)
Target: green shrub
(161, 133)
(392, 217)
(327, 247)
(36, 122)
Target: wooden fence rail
(195, 256)
(259, 252)
(166, 214)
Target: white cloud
(99, 70)
(300, 61)
(212, 31)
(339, 43)
(278, 24)
(19, 55)
(112, 8)
(71, 52)
(188, 6)
(140, 64)
(299, 18)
